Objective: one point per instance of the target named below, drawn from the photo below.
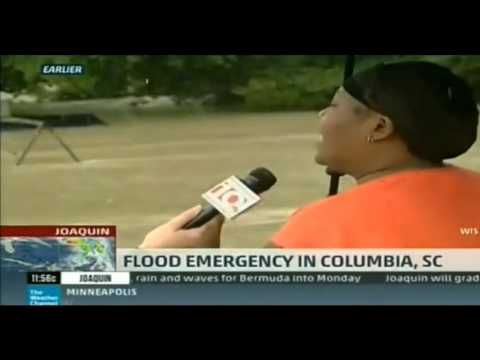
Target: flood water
(139, 171)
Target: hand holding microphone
(201, 227)
(171, 234)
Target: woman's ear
(384, 128)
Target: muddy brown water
(141, 171)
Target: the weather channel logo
(43, 295)
(65, 69)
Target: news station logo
(231, 197)
(44, 295)
(62, 69)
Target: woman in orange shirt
(390, 127)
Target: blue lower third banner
(242, 289)
(239, 277)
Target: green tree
(259, 82)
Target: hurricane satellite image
(57, 254)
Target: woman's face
(343, 133)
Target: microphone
(258, 180)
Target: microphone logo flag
(231, 197)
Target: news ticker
(189, 288)
(81, 265)
(258, 276)
(261, 276)
(152, 278)
(223, 266)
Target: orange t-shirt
(430, 208)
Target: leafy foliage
(257, 82)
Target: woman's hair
(433, 110)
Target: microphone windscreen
(265, 178)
